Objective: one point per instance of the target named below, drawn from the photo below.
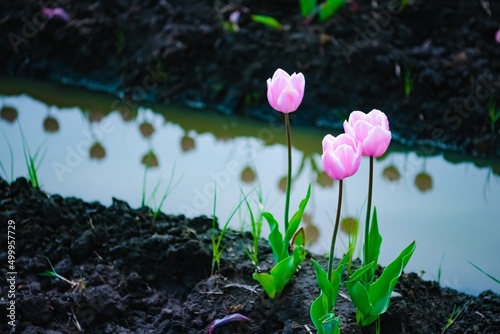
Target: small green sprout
(453, 316)
(217, 249)
(440, 269)
(32, 161)
(151, 201)
(493, 113)
(408, 84)
(52, 273)
(256, 224)
(267, 21)
(11, 154)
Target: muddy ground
(185, 52)
(144, 280)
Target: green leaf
(336, 278)
(281, 273)
(374, 243)
(329, 8)
(380, 291)
(299, 238)
(330, 324)
(324, 284)
(359, 274)
(307, 7)
(297, 217)
(267, 21)
(373, 300)
(317, 312)
(275, 238)
(267, 282)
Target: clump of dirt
(433, 66)
(140, 280)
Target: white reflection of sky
(457, 218)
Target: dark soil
(178, 52)
(142, 281)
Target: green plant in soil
(268, 21)
(53, 273)
(256, 227)
(151, 201)
(493, 113)
(32, 161)
(453, 316)
(285, 264)
(11, 156)
(440, 269)
(217, 236)
(408, 84)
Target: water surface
(95, 147)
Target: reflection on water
(446, 202)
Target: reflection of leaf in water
(95, 116)
(127, 114)
(349, 226)
(150, 160)
(312, 232)
(423, 181)
(282, 183)
(146, 129)
(50, 124)
(187, 144)
(97, 151)
(324, 180)
(247, 175)
(391, 173)
(8, 114)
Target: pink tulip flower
(58, 14)
(371, 129)
(341, 156)
(497, 36)
(284, 91)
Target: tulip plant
(365, 135)
(285, 93)
(368, 135)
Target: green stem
(368, 210)
(335, 230)
(289, 178)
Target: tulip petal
(327, 142)
(333, 166)
(287, 100)
(377, 142)
(298, 82)
(356, 116)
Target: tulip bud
(285, 92)
(371, 129)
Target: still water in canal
(448, 203)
